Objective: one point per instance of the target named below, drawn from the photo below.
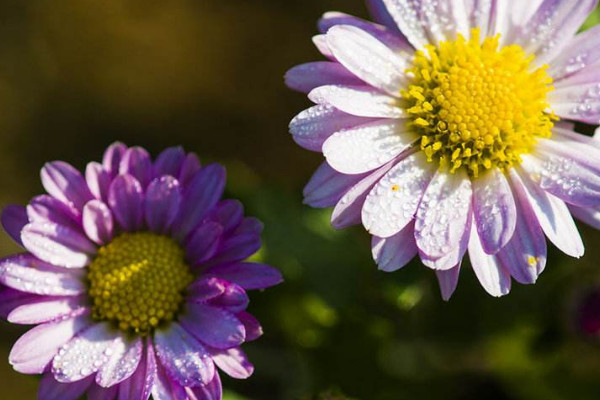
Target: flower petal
(126, 200)
(233, 299)
(137, 162)
(492, 276)
(123, 359)
(139, 385)
(212, 391)
(11, 298)
(14, 218)
(588, 215)
(578, 99)
(494, 210)
(314, 125)
(361, 101)
(247, 274)
(581, 52)
(46, 208)
(367, 147)
(448, 281)
(213, 326)
(395, 252)
(443, 214)
(161, 203)
(393, 201)
(184, 358)
(99, 393)
(65, 183)
(241, 244)
(47, 309)
(32, 353)
(26, 273)
(229, 214)
(203, 242)
(327, 186)
(98, 180)
(169, 162)
(112, 158)
(51, 389)
(98, 222)
(306, 77)
(251, 324)
(189, 169)
(233, 362)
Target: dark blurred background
(76, 75)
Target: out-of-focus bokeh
(76, 75)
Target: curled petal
(98, 222)
(65, 183)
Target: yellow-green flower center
(137, 281)
(478, 106)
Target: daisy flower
(447, 127)
(134, 276)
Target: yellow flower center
(137, 281)
(478, 106)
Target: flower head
(135, 278)
(447, 127)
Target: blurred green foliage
(78, 74)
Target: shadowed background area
(77, 75)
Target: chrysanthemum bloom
(447, 127)
(134, 276)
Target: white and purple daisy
(448, 126)
(135, 277)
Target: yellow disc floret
(476, 105)
(137, 281)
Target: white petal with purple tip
(65, 183)
(492, 276)
(448, 281)
(123, 358)
(361, 101)
(327, 186)
(47, 309)
(394, 252)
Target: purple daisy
(448, 126)
(134, 276)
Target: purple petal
(184, 358)
(381, 15)
(494, 210)
(96, 342)
(162, 201)
(137, 162)
(327, 186)
(448, 281)
(242, 243)
(251, 324)
(234, 298)
(65, 183)
(492, 276)
(203, 242)
(233, 362)
(313, 126)
(199, 197)
(51, 389)
(212, 391)
(361, 101)
(14, 218)
(348, 210)
(306, 77)
(166, 388)
(47, 309)
(57, 244)
(139, 385)
(213, 326)
(26, 273)
(229, 214)
(98, 222)
(126, 200)
(189, 169)
(393, 201)
(394, 252)
(98, 180)
(248, 275)
(206, 288)
(112, 158)
(32, 353)
(581, 52)
(11, 298)
(588, 215)
(169, 162)
(99, 393)
(123, 360)
(46, 208)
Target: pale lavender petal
(393, 201)
(320, 42)
(169, 162)
(444, 213)
(98, 222)
(248, 275)
(492, 276)
(213, 326)
(229, 214)
(588, 215)
(314, 125)
(58, 244)
(394, 252)
(306, 77)
(47, 309)
(99, 393)
(65, 183)
(139, 385)
(242, 243)
(166, 388)
(122, 361)
(494, 210)
(348, 210)
(98, 180)
(137, 162)
(448, 281)
(161, 203)
(34, 351)
(14, 218)
(327, 186)
(199, 197)
(26, 273)
(112, 158)
(507, 18)
(46, 208)
(390, 37)
(251, 324)
(581, 52)
(126, 201)
(203, 242)
(184, 358)
(51, 389)
(96, 342)
(552, 214)
(189, 169)
(361, 101)
(212, 391)
(368, 58)
(233, 362)
(367, 147)
(454, 257)
(578, 98)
